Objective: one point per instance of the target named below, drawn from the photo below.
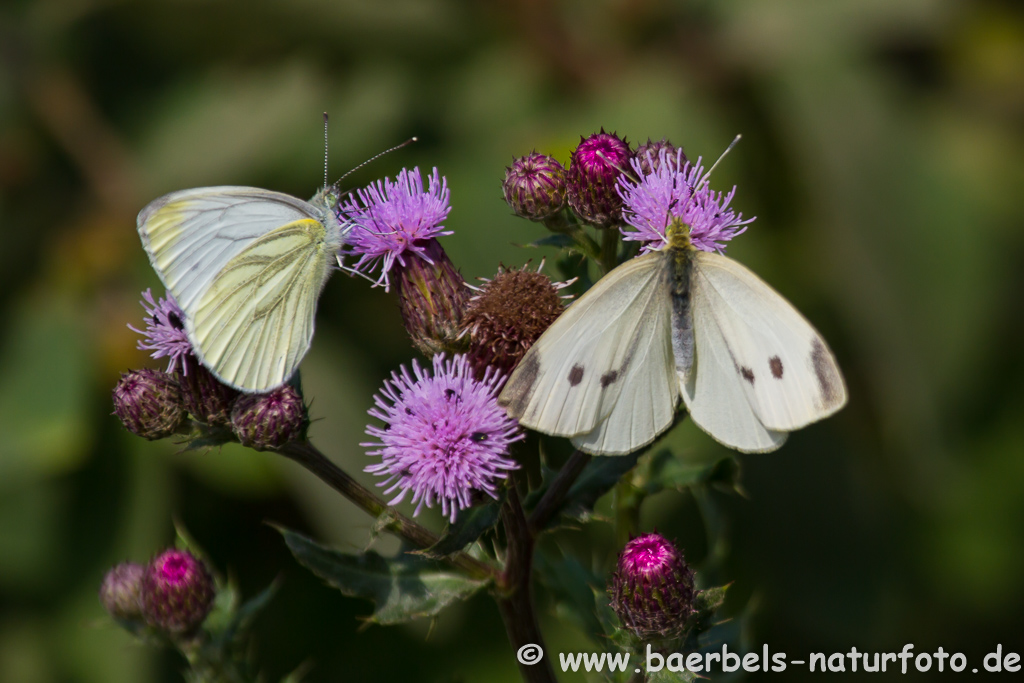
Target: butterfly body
(670, 324)
(246, 266)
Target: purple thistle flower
(667, 196)
(444, 436)
(393, 219)
(165, 331)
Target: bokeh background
(882, 154)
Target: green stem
(307, 455)
(627, 511)
(609, 247)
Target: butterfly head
(677, 234)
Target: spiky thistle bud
(594, 169)
(149, 404)
(204, 396)
(534, 186)
(267, 421)
(652, 588)
(121, 591)
(508, 315)
(432, 297)
(649, 155)
(177, 592)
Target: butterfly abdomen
(681, 274)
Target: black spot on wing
(609, 377)
(824, 370)
(576, 375)
(775, 365)
(748, 375)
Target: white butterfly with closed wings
(246, 266)
(675, 322)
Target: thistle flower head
(177, 592)
(534, 186)
(652, 588)
(444, 435)
(672, 194)
(121, 591)
(509, 314)
(393, 221)
(149, 404)
(594, 168)
(267, 421)
(165, 330)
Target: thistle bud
(121, 591)
(535, 186)
(594, 170)
(177, 592)
(267, 421)
(149, 404)
(652, 588)
(204, 396)
(647, 155)
(432, 297)
(507, 316)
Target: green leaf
(597, 478)
(469, 526)
(401, 588)
(705, 603)
(573, 589)
(665, 470)
(666, 676)
(560, 240)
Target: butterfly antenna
(707, 176)
(325, 149)
(374, 158)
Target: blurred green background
(882, 154)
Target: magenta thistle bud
(648, 155)
(432, 297)
(652, 588)
(267, 421)
(204, 396)
(509, 314)
(535, 186)
(121, 591)
(149, 404)
(444, 437)
(177, 592)
(591, 183)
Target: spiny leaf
(401, 588)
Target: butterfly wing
(761, 369)
(246, 266)
(602, 373)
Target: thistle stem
(610, 248)
(552, 500)
(310, 457)
(515, 598)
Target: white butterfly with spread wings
(676, 322)
(246, 266)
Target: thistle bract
(149, 404)
(266, 421)
(121, 591)
(534, 186)
(652, 588)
